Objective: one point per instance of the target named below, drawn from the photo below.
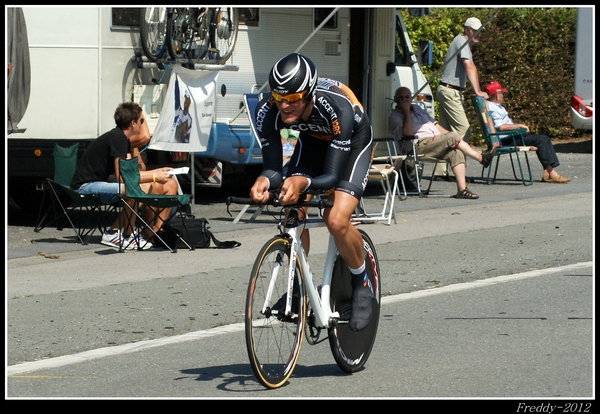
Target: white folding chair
(393, 158)
(395, 151)
(387, 175)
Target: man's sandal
(466, 194)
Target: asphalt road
(76, 300)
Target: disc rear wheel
(352, 349)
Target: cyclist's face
(291, 112)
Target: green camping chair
(128, 169)
(68, 203)
(492, 139)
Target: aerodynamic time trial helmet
(293, 74)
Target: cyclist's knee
(337, 223)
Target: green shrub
(530, 51)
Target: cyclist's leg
(349, 243)
(346, 196)
(347, 238)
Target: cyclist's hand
(259, 192)
(291, 189)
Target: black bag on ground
(199, 236)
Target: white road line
(483, 282)
(26, 367)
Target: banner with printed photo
(187, 113)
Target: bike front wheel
(224, 35)
(153, 30)
(273, 341)
(352, 349)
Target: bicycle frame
(324, 317)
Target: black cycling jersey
(334, 145)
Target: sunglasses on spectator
(290, 98)
(141, 121)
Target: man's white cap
(473, 22)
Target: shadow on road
(576, 147)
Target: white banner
(186, 117)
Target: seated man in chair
(545, 151)
(98, 173)
(433, 140)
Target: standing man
(458, 67)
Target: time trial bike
(274, 334)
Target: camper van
(87, 60)
(582, 110)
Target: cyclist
(333, 151)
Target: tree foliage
(530, 51)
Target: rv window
(321, 14)
(248, 16)
(125, 16)
(402, 56)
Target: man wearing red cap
(458, 66)
(502, 122)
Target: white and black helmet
(292, 74)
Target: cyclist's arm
(265, 119)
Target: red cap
(494, 87)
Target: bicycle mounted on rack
(191, 33)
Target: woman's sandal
(466, 193)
